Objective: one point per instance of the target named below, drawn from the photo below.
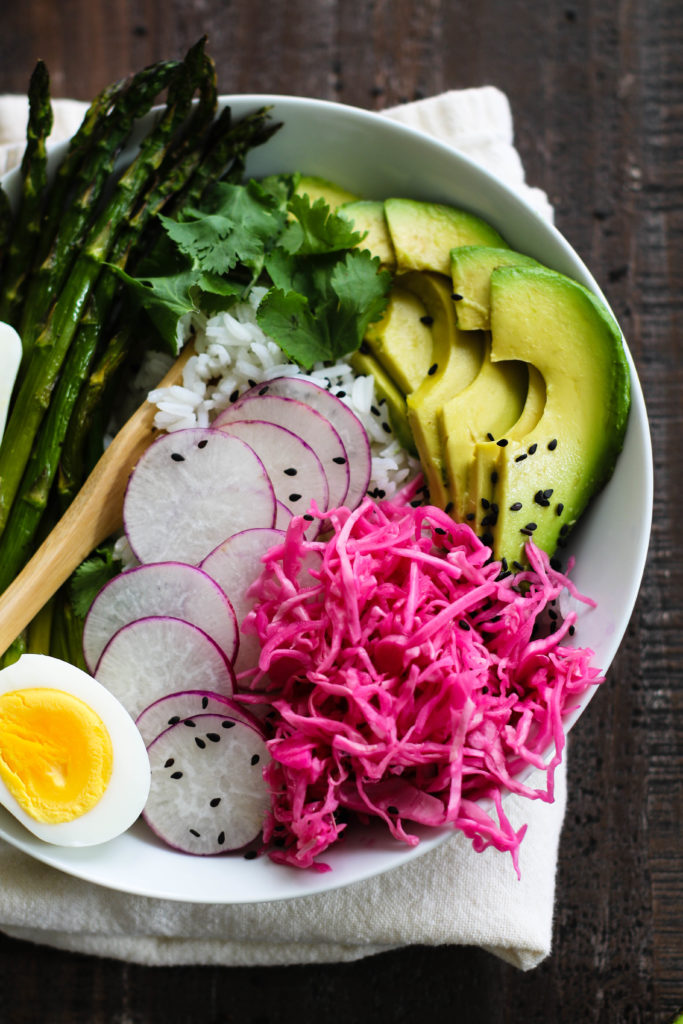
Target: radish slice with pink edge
(150, 657)
(208, 794)
(304, 421)
(234, 565)
(184, 706)
(295, 471)
(353, 434)
(283, 516)
(189, 490)
(171, 589)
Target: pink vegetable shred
(412, 680)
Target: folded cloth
(450, 895)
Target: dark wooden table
(596, 88)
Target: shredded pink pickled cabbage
(410, 679)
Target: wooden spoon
(94, 514)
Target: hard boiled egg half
(73, 766)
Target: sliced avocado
(402, 339)
(320, 188)
(423, 234)
(368, 218)
(471, 269)
(456, 360)
(363, 362)
(547, 477)
(487, 407)
(487, 456)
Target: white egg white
(126, 794)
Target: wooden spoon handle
(94, 514)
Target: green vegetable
(91, 576)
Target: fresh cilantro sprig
(322, 288)
(90, 576)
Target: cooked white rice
(233, 354)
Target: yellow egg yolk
(56, 754)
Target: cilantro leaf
(316, 229)
(288, 318)
(90, 576)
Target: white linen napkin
(449, 896)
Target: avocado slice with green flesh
(320, 188)
(401, 340)
(423, 234)
(489, 406)
(386, 390)
(487, 456)
(456, 360)
(471, 269)
(368, 218)
(547, 477)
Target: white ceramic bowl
(375, 157)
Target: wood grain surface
(596, 90)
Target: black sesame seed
(220, 839)
(176, 775)
(432, 369)
(552, 445)
(290, 471)
(264, 390)
(490, 436)
(571, 630)
(200, 742)
(520, 458)
(470, 516)
(464, 624)
(552, 613)
(531, 527)
(205, 702)
(487, 539)
(494, 477)
(380, 493)
(295, 497)
(548, 492)
(227, 723)
(203, 443)
(490, 519)
(213, 737)
(532, 448)
(190, 723)
(170, 762)
(391, 809)
(386, 428)
(416, 503)
(525, 531)
(516, 507)
(439, 529)
(517, 565)
(177, 457)
(540, 499)
(427, 320)
(559, 508)
(174, 720)
(485, 503)
(502, 443)
(339, 460)
(456, 296)
(308, 517)
(215, 802)
(194, 832)
(250, 855)
(374, 410)
(234, 396)
(255, 759)
(564, 529)
(251, 383)
(449, 508)
(341, 394)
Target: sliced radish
(234, 565)
(304, 421)
(151, 657)
(208, 794)
(185, 706)
(165, 589)
(190, 490)
(283, 516)
(347, 425)
(295, 471)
